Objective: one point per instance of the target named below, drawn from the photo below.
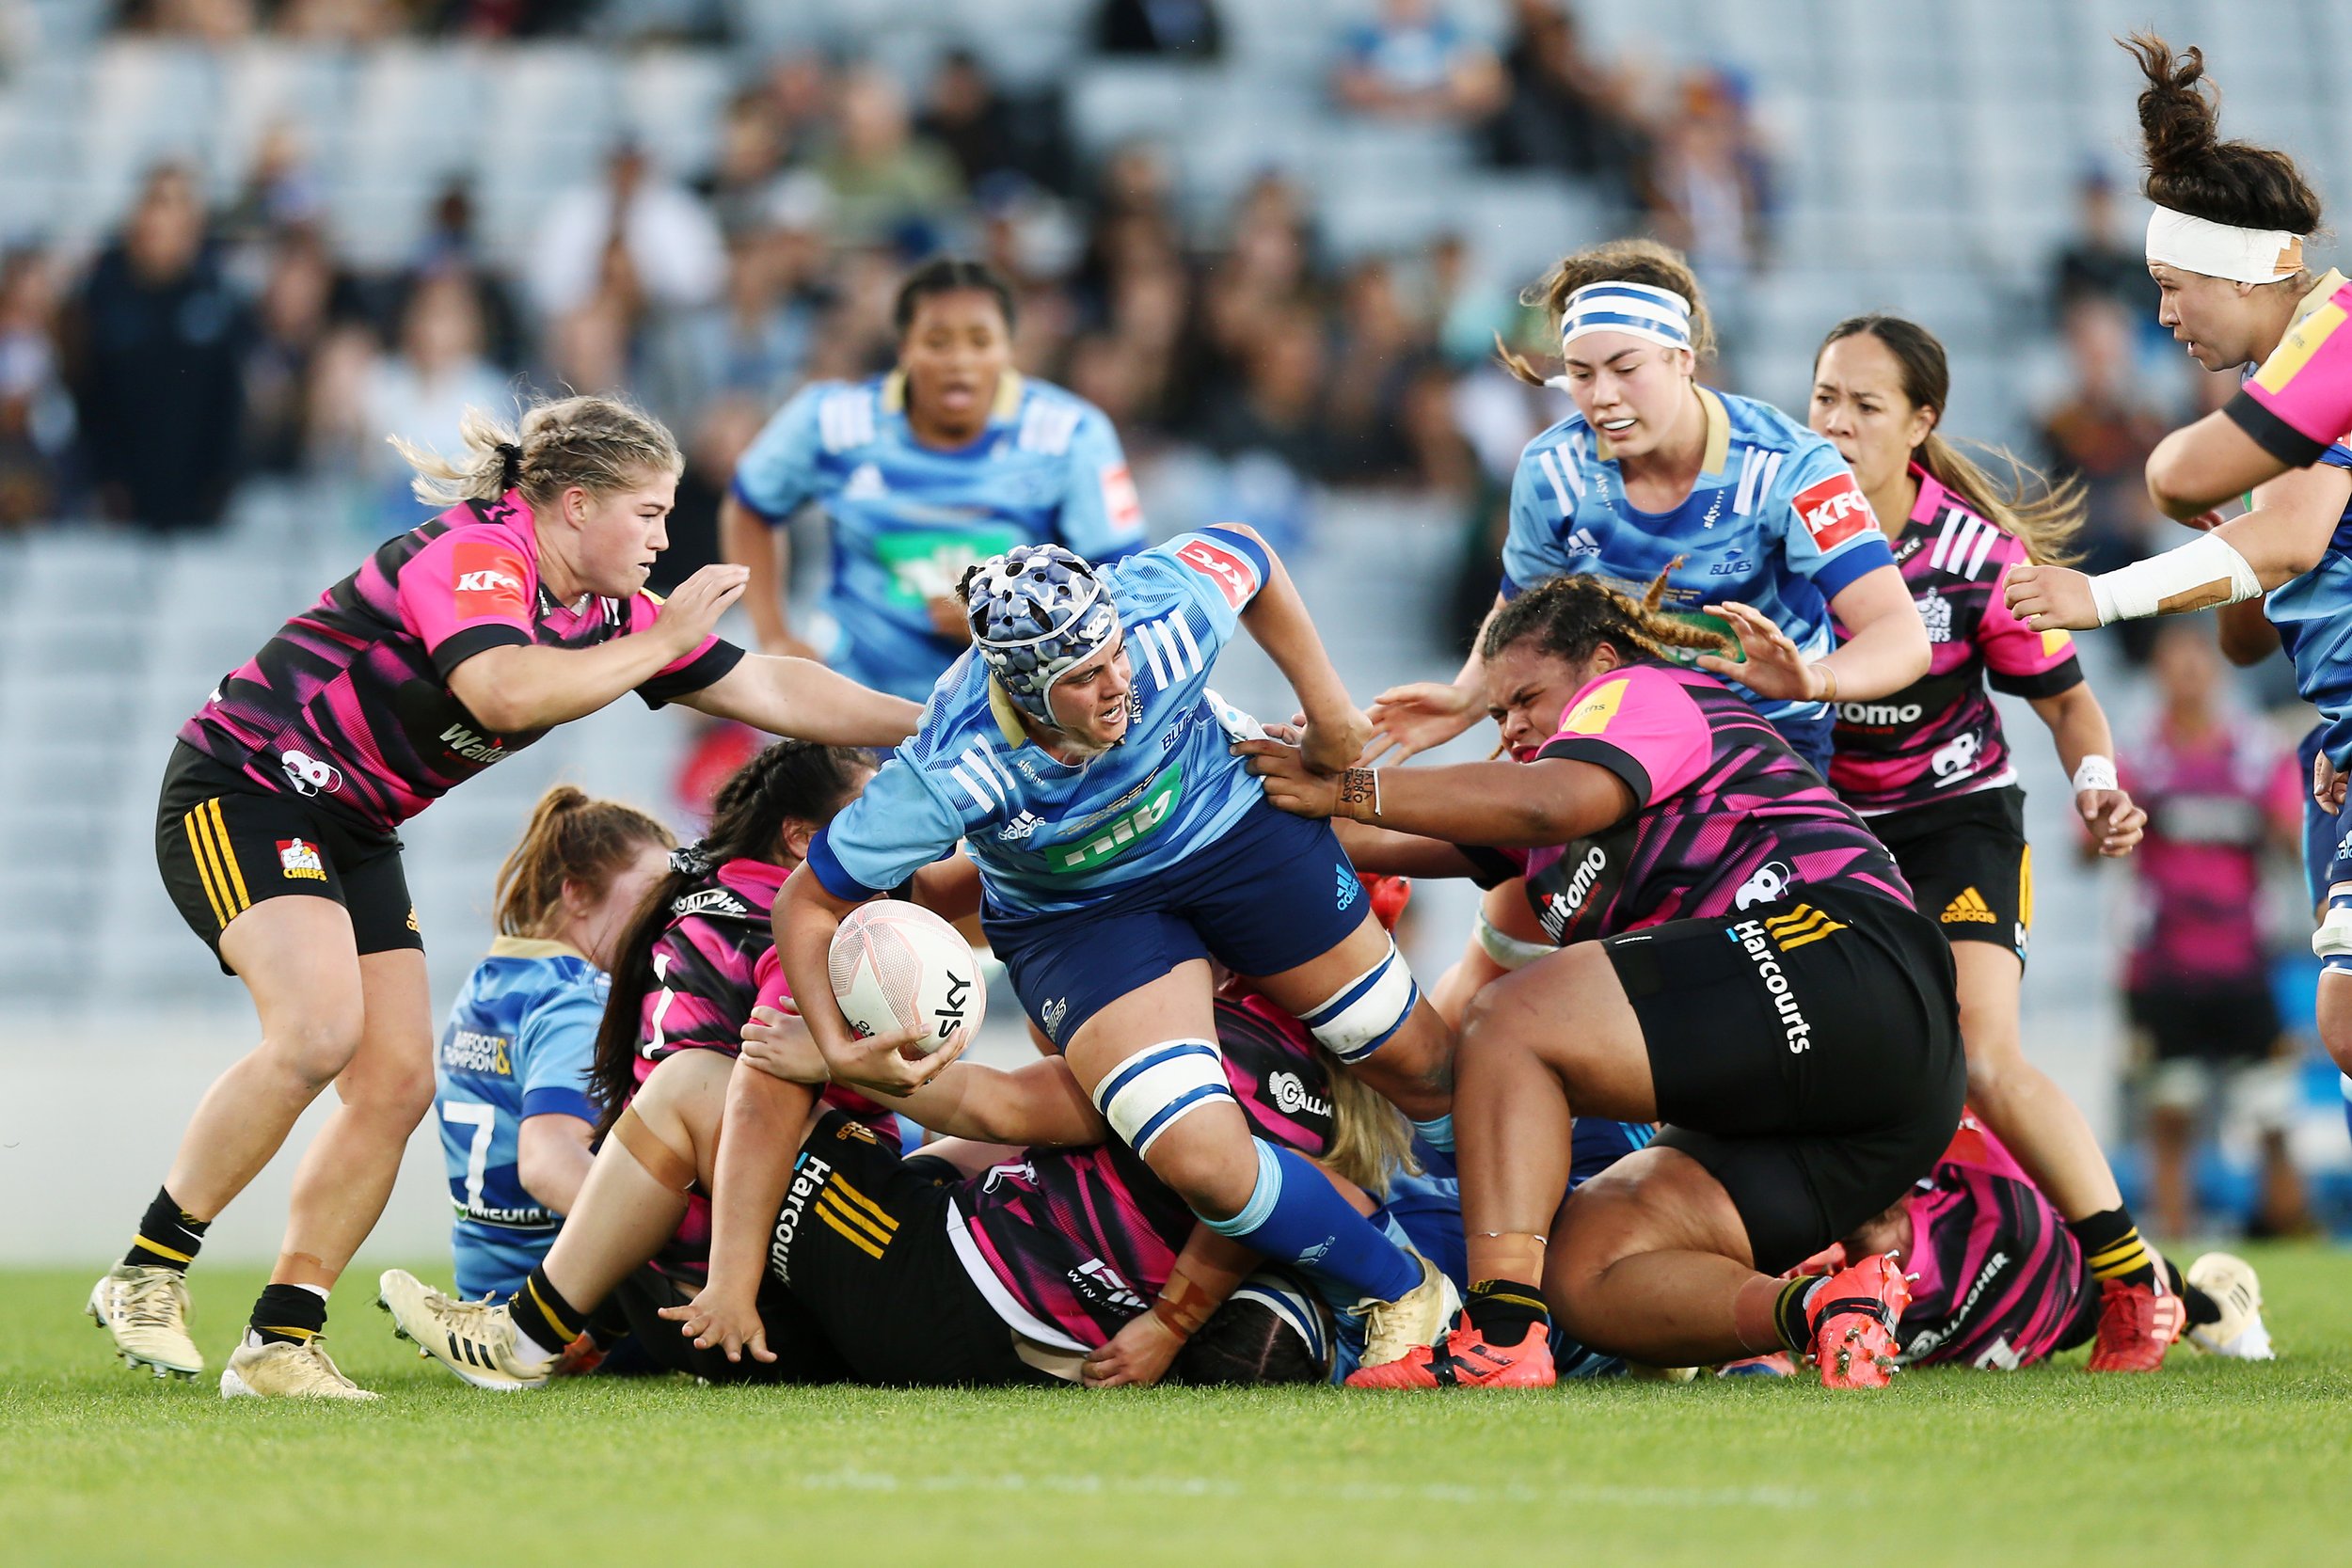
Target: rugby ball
(895, 965)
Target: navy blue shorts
(1276, 891)
(1810, 738)
(2323, 834)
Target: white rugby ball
(895, 965)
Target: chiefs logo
(1235, 576)
(487, 579)
(1833, 511)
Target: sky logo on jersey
(1121, 833)
(1231, 571)
(1833, 511)
(298, 857)
(487, 579)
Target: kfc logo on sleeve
(1833, 511)
(1232, 572)
(487, 580)
(1120, 501)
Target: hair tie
(510, 466)
(688, 859)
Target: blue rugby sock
(2347, 1101)
(1295, 1215)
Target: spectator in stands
(1414, 62)
(1564, 110)
(1171, 29)
(1377, 345)
(752, 145)
(1710, 195)
(36, 412)
(291, 323)
(1272, 435)
(633, 233)
(888, 184)
(2103, 429)
(216, 22)
(965, 113)
(507, 19)
(282, 191)
(752, 344)
(340, 20)
(451, 246)
(2095, 262)
(421, 392)
(2222, 797)
(154, 353)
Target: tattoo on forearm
(1359, 791)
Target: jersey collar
(533, 947)
(2321, 293)
(1008, 389)
(1931, 496)
(1008, 716)
(1718, 435)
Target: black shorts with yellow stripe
(225, 845)
(1968, 864)
(861, 1243)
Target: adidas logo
(1582, 543)
(865, 484)
(1349, 889)
(1969, 907)
(1020, 827)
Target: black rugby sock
(2112, 1247)
(1789, 1314)
(542, 1316)
(170, 1237)
(1502, 1310)
(2203, 1309)
(294, 1314)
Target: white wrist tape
(2095, 772)
(2204, 572)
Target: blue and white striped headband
(1637, 309)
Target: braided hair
(1570, 616)
(791, 781)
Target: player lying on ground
(1078, 755)
(511, 1077)
(2000, 1282)
(1743, 962)
(686, 976)
(520, 606)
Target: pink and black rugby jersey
(1726, 815)
(1999, 1280)
(1069, 1245)
(2213, 807)
(349, 703)
(1941, 735)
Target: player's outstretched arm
(802, 699)
(1335, 733)
(1506, 804)
(761, 1134)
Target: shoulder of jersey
(1047, 417)
(848, 413)
(1755, 423)
(1962, 545)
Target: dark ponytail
(2191, 170)
(793, 780)
(1570, 616)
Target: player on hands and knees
(687, 972)
(1078, 754)
(511, 1076)
(1743, 962)
(952, 457)
(2225, 245)
(1930, 770)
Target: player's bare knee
(315, 1045)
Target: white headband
(2221, 249)
(1636, 310)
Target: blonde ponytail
(602, 445)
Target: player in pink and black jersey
(1932, 771)
(1741, 961)
(521, 606)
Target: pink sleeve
(1642, 726)
(2011, 648)
(643, 611)
(769, 985)
(469, 590)
(2300, 402)
(2283, 799)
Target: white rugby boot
(146, 1309)
(476, 1339)
(281, 1370)
(1421, 1316)
(2241, 1334)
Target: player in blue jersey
(1078, 755)
(1753, 518)
(511, 1075)
(949, 459)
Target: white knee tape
(1149, 1092)
(2334, 936)
(1507, 950)
(1367, 1010)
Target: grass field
(2210, 1462)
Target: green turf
(2211, 1463)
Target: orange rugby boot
(2136, 1326)
(1854, 1326)
(1462, 1358)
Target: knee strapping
(1366, 1011)
(1152, 1091)
(665, 1165)
(2333, 940)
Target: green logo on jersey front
(926, 562)
(1117, 836)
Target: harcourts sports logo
(1757, 938)
(1115, 837)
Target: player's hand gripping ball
(895, 966)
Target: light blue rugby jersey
(1048, 835)
(1776, 520)
(907, 519)
(2314, 612)
(519, 1043)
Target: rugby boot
(283, 1370)
(2240, 1334)
(1853, 1324)
(1416, 1318)
(476, 1339)
(1778, 1364)
(2136, 1326)
(146, 1309)
(1462, 1358)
